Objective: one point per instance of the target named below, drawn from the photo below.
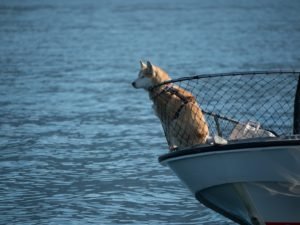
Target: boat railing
(246, 105)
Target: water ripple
(78, 144)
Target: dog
(180, 115)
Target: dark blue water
(78, 144)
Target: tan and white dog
(181, 117)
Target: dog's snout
(133, 84)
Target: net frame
(254, 105)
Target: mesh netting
(234, 106)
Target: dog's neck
(155, 92)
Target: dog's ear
(150, 67)
(143, 65)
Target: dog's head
(149, 76)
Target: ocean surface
(79, 145)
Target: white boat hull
(250, 183)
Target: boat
(251, 176)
